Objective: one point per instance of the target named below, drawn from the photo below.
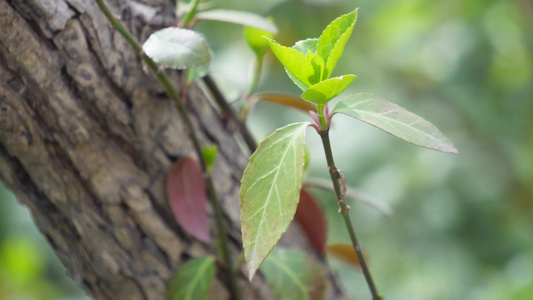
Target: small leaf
(293, 275)
(193, 280)
(395, 120)
(345, 253)
(255, 39)
(304, 46)
(295, 63)
(333, 39)
(177, 48)
(270, 190)
(238, 17)
(210, 154)
(187, 196)
(322, 92)
(312, 221)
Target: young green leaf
(193, 280)
(270, 190)
(295, 63)
(333, 39)
(395, 120)
(312, 221)
(322, 92)
(188, 199)
(238, 17)
(210, 154)
(177, 48)
(293, 275)
(255, 39)
(305, 46)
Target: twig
(344, 210)
(173, 94)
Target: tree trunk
(87, 138)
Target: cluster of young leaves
(309, 63)
(271, 183)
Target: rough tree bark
(86, 140)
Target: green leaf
(293, 275)
(255, 39)
(304, 46)
(270, 190)
(295, 63)
(395, 120)
(322, 92)
(238, 17)
(177, 48)
(193, 280)
(210, 154)
(333, 39)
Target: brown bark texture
(87, 137)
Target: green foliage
(395, 120)
(254, 37)
(326, 90)
(177, 48)
(193, 280)
(333, 39)
(270, 191)
(309, 62)
(210, 154)
(293, 275)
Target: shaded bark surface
(87, 138)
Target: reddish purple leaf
(187, 196)
(311, 219)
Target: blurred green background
(463, 224)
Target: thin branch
(344, 210)
(173, 94)
(229, 113)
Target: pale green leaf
(326, 90)
(333, 39)
(394, 120)
(177, 48)
(193, 280)
(294, 62)
(238, 17)
(294, 275)
(304, 46)
(270, 191)
(255, 39)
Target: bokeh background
(462, 226)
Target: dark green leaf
(177, 48)
(322, 92)
(238, 17)
(270, 190)
(395, 120)
(193, 280)
(293, 275)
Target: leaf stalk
(337, 179)
(174, 95)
